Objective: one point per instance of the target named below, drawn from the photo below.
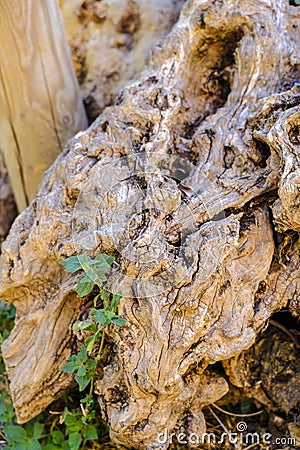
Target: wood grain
(186, 179)
(40, 102)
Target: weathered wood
(270, 370)
(40, 102)
(122, 32)
(191, 181)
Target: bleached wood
(40, 102)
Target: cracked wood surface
(191, 181)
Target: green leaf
(84, 286)
(109, 259)
(118, 321)
(19, 446)
(87, 263)
(104, 295)
(91, 364)
(38, 430)
(71, 264)
(116, 300)
(75, 441)
(34, 445)
(82, 381)
(95, 300)
(90, 341)
(57, 437)
(15, 433)
(99, 264)
(52, 447)
(81, 371)
(99, 315)
(74, 427)
(84, 325)
(82, 355)
(70, 367)
(69, 418)
(90, 432)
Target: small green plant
(27, 438)
(84, 365)
(78, 425)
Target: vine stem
(97, 359)
(101, 345)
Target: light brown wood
(40, 102)
(191, 180)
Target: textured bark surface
(270, 370)
(110, 42)
(192, 181)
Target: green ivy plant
(84, 364)
(77, 427)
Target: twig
(251, 446)
(222, 425)
(237, 415)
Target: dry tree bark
(270, 370)
(123, 53)
(110, 41)
(192, 181)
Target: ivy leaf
(81, 372)
(18, 447)
(74, 426)
(57, 437)
(84, 325)
(75, 361)
(82, 355)
(53, 447)
(34, 445)
(90, 341)
(99, 316)
(75, 441)
(91, 365)
(107, 258)
(70, 367)
(115, 301)
(101, 277)
(104, 295)
(118, 321)
(71, 264)
(84, 286)
(38, 430)
(100, 264)
(82, 381)
(90, 432)
(70, 420)
(15, 433)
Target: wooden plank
(40, 102)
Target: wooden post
(40, 102)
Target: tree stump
(191, 180)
